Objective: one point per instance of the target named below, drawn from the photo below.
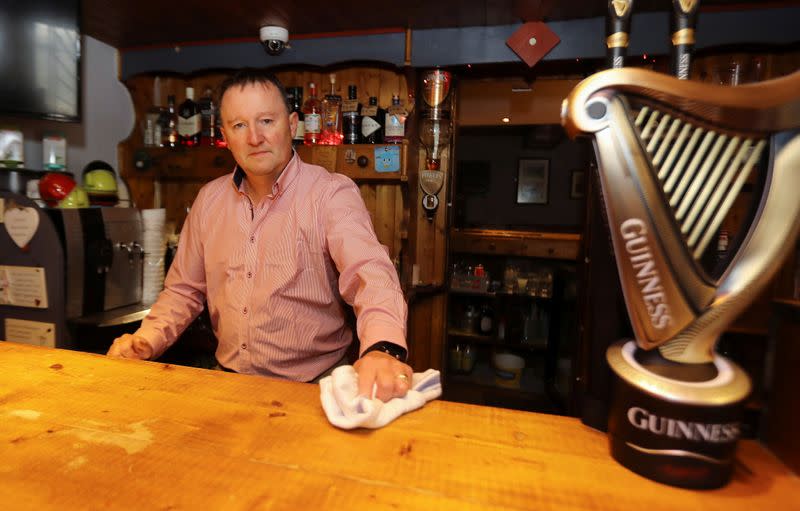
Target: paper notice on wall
(23, 286)
(30, 332)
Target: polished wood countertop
(81, 431)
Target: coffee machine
(66, 269)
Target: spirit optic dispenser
(434, 133)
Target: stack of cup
(155, 244)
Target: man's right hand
(130, 346)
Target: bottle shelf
(462, 336)
(483, 375)
(496, 294)
(480, 386)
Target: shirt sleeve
(184, 292)
(367, 278)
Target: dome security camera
(274, 39)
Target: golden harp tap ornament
(673, 157)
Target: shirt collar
(286, 178)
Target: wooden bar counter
(81, 431)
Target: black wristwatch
(390, 348)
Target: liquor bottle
(169, 124)
(296, 99)
(208, 128)
(312, 113)
(152, 127)
(351, 113)
(395, 127)
(331, 129)
(219, 140)
(372, 117)
(189, 121)
(487, 318)
(722, 245)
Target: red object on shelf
(54, 187)
(532, 41)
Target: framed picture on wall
(533, 180)
(577, 184)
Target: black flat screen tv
(40, 59)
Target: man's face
(258, 128)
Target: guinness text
(676, 428)
(640, 255)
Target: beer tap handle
(682, 28)
(618, 28)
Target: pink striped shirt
(275, 273)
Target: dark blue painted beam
(586, 38)
(583, 38)
(330, 50)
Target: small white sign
(23, 286)
(30, 332)
(21, 224)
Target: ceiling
(130, 23)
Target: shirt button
(249, 274)
(244, 310)
(244, 346)
(252, 239)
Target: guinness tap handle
(684, 20)
(618, 28)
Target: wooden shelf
(492, 294)
(787, 303)
(201, 163)
(548, 245)
(357, 161)
(746, 330)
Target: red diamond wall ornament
(532, 41)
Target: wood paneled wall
(484, 102)
(181, 172)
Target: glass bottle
(219, 141)
(395, 127)
(351, 114)
(153, 127)
(331, 129)
(312, 113)
(296, 99)
(487, 319)
(372, 118)
(169, 124)
(208, 128)
(189, 126)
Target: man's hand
(130, 346)
(391, 377)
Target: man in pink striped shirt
(276, 248)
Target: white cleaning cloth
(347, 410)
